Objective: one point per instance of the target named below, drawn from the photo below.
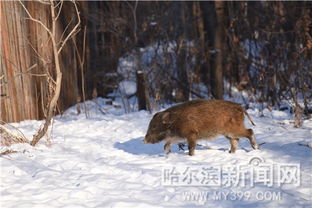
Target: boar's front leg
(181, 146)
(167, 147)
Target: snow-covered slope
(101, 161)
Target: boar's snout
(145, 140)
(149, 139)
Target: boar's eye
(156, 114)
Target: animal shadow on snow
(137, 147)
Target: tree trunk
(218, 45)
(142, 93)
(182, 56)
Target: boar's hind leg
(167, 147)
(234, 142)
(191, 145)
(251, 136)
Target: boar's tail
(249, 118)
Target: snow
(100, 161)
(127, 64)
(127, 87)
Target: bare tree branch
(60, 9)
(72, 31)
(81, 63)
(135, 26)
(35, 20)
(67, 26)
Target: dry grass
(7, 152)
(8, 138)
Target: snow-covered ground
(101, 161)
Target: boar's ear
(165, 117)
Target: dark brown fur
(199, 119)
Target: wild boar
(200, 119)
